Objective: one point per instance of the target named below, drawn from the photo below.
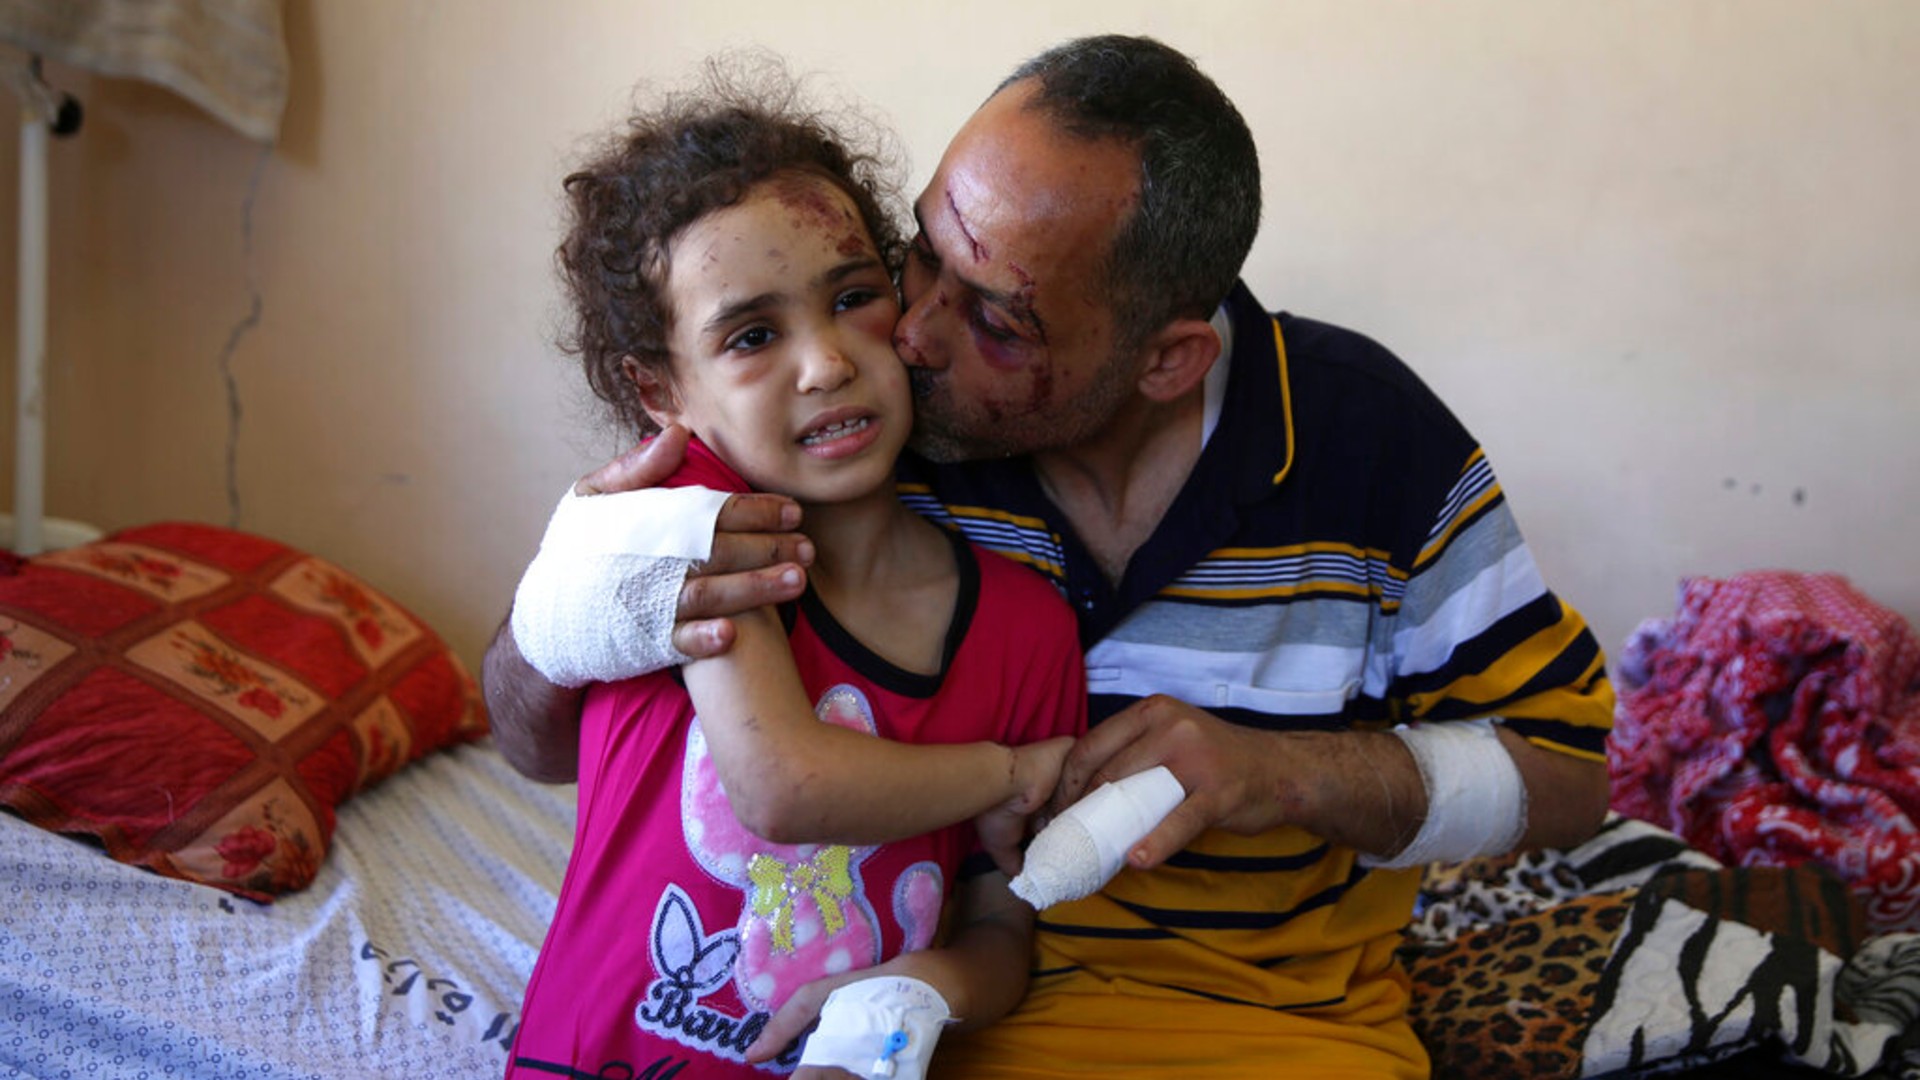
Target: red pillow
(202, 699)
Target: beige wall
(1663, 256)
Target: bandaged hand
(598, 602)
(884, 1026)
(1083, 848)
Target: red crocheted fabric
(1775, 721)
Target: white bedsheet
(407, 957)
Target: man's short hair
(1181, 251)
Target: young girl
(745, 844)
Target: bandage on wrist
(598, 602)
(1476, 799)
(1082, 849)
(885, 1026)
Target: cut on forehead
(820, 202)
(805, 209)
(812, 202)
(1011, 189)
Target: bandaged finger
(1083, 848)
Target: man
(1280, 545)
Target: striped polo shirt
(1341, 556)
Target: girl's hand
(1036, 770)
(802, 1010)
(793, 1019)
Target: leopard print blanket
(1635, 955)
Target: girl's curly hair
(691, 153)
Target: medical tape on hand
(667, 523)
(885, 1026)
(597, 603)
(1083, 848)
(1476, 800)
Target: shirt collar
(1251, 445)
(1216, 384)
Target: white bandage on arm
(885, 1026)
(1082, 849)
(597, 603)
(1476, 800)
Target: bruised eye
(987, 323)
(753, 337)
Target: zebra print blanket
(1635, 955)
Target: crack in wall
(255, 305)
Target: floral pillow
(200, 700)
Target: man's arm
(757, 559)
(1475, 633)
(1358, 789)
(536, 724)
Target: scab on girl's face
(782, 354)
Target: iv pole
(42, 110)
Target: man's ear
(1179, 355)
(655, 390)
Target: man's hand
(1003, 829)
(758, 558)
(755, 559)
(1358, 789)
(1230, 772)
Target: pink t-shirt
(678, 932)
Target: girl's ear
(656, 391)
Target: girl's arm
(793, 779)
(981, 971)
